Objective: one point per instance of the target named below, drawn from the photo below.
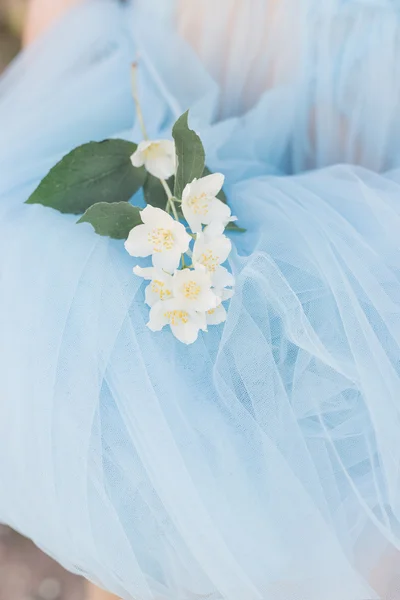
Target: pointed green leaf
(154, 192)
(233, 227)
(189, 152)
(92, 173)
(113, 220)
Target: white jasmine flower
(160, 287)
(192, 288)
(160, 236)
(211, 250)
(158, 157)
(200, 205)
(185, 324)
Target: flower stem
(166, 188)
(170, 199)
(174, 211)
(137, 101)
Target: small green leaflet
(233, 227)
(92, 173)
(190, 154)
(113, 220)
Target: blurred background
(26, 573)
(11, 19)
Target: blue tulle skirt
(263, 462)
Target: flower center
(177, 317)
(161, 239)
(209, 260)
(200, 205)
(191, 290)
(159, 288)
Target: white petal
(219, 212)
(200, 319)
(187, 333)
(216, 316)
(137, 159)
(194, 221)
(168, 260)
(162, 167)
(187, 190)
(221, 278)
(143, 145)
(222, 247)
(138, 243)
(181, 236)
(157, 319)
(146, 273)
(168, 147)
(214, 229)
(156, 217)
(208, 301)
(150, 297)
(210, 185)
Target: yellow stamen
(159, 288)
(209, 260)
(161, 239)
(177, 317)
(191, 290)
(200, 204)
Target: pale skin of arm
(41, 14)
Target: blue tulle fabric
(263, 462)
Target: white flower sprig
(187, 282)
(185, 295)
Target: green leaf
(189, 152)
(92, 173)
(113, 220)
(233, 227)
(154, 192)
(221, 195)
